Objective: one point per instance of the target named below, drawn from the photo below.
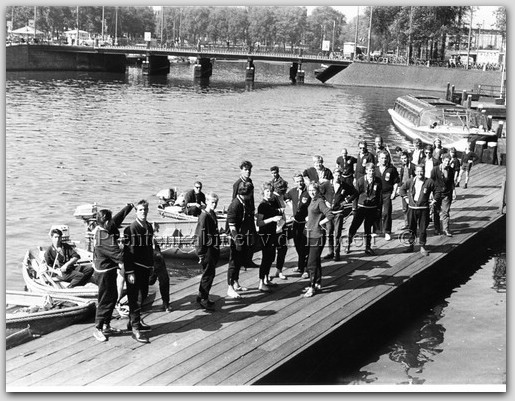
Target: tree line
(407, 30)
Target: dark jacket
(299, 203)
(411, 173)
(407, 190)
(389, 178)
(192, 197)
(241, 215)
(317, 211)
(443, 186)
(237, 184)
(369, 194)
(312, 174)
(107, 253)
(363, 160)
(139, 246)
(207, 234)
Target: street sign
(148, 36)
(326, 45)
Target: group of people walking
(361, 187)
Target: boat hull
(177, 239)
(60, 312)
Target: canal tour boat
(428, 117)
(29, 315)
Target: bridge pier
(250, 71)
(293, 72)
(203, 68)
(156, 65)
(300, 74)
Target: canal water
(78, 138)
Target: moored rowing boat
(30, 314)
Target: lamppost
(77, 40)
(116, 26)
(332, 42)
(369, 34)
(356, 34)
(478, 36)
(470, 36)
(103, 20)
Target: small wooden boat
(176, 237)
(40, 280)
(429, 117)
(30, 314)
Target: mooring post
(250, 70)
(464, 98)
(448, 92)
(300, 74)
(469, 101)
(453, 90)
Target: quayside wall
(60, 58)
(414, 77)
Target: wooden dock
(245, 340)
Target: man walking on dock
(208, 249)
(139, 262)
(445, 193)
(245, 172)
(417, 191)
(240, 221)
(300, 201)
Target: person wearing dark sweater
(389, 177)
(318, 215)
(245, 172)
(268, 215)
(347, 164)
(139, 263)
(195, 200)
(208, 249)
(300, 201)
(368, 203)
(241, 226)
(107, 260)
(444, 194)
(417, 192)
(468, 159)
(318, 172)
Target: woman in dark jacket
(107, 259)
(318, 214)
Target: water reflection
(417, 347)
(499, 275)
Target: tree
(291, 24)
(321, 23)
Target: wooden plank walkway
(244, 340)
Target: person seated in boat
(62, 258)
(195, 200)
